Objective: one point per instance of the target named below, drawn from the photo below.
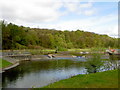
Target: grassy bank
(107, 79)
(4, 63)
(46, 51)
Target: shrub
(94, 63)
(62, 49)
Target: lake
(40, 73)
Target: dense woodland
(20, 37)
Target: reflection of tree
(9, 76)
(94, 63)
(114, 57)
(27, 67)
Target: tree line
(20, 37)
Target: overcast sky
(97, 16)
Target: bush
(94, 63)
(62, 49)
(19, 46)
(35, 47)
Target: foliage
(0, 62)
(19, 37)
(94, 63)
(62, 49)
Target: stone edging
(9, 67)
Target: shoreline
(9, 67)
(93, 80)
(15, 62)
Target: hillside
(20, 37)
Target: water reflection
(41, 73)
(114, 57)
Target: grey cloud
(8, 13)
(28, 11)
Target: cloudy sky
(97, 16)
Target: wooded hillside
(20, 37)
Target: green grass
(46, 51)
(79, 50)
(0, 63)
(36, 52)
(4, 63)
(88, 49)
(107, 79)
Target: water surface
(40, 73)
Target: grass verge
(107, 79)
(4, 63)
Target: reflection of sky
(49, 75)
(45, 77)
(79, 58)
